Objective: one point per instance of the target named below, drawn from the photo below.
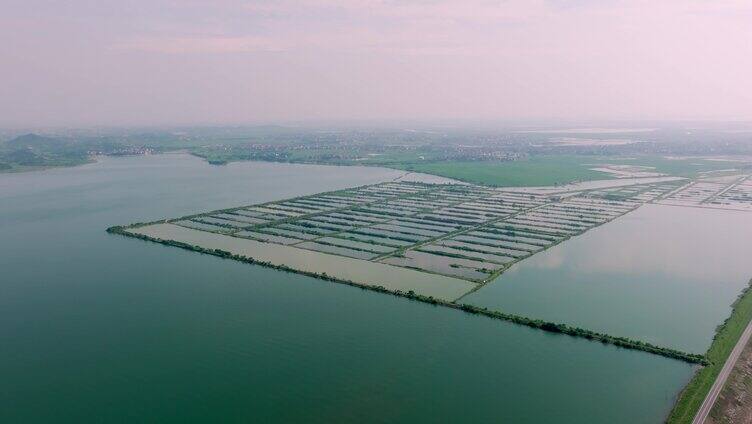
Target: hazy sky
(102, 62)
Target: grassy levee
(725, 339)
(551, 327)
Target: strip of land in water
(563, 329)
(312, 262)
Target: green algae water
(663, 274)
(102, 328)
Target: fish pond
(662, 274)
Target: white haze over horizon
(172, 62)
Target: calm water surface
(102, 328)
(663, 274)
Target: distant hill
(24, 156)
(33, 150)
(36, 141)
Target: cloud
(358, 25)
(435, 27)
(205, 44)
(375, 59)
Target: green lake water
(103, 328)
(663, 274)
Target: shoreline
(726, 337)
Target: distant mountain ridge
(36, 141)
(33, 150)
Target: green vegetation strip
(516, 319)
(724, 341)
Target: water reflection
(662, 273)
